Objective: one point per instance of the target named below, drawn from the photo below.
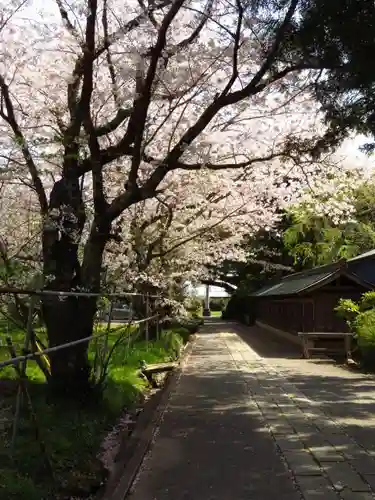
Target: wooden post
(21, 370)
(105, 346)
(23, 389)
(147, 321)
(348, 346)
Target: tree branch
(159, 240)
(236, 47)
(224, 100)
(85, 103)
(10, 118)
(121, 115)
(197, 233)
(111, 67)
(141, 103)
(65, 18)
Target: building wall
(313, 312)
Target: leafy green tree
(339, 35)
(266, 258)
(318, 239)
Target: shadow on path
(213, 443)
(345, 395)
(251, 420)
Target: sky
(215, 291)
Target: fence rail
(28, 291)
(32, 347)
(26, 357)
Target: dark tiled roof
(366, 255)
(360, 269)
(297, 285)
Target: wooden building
(305, 301)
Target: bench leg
(348, 347)
(151, 380)
(305, 343)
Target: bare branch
(236, 47)
(141, 104)
(111, 67)
(121, 115)
(10, 118)
(85, 101)
(149, 14)
(67, 22)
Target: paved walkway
(251, 420)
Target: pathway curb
(141, 438)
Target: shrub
(194, 306)
(360, 317)
(364, 327)
(218, 304)
(240, 308)
(181, 324)
(183, 332)
(172, 342)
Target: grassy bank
(71, 434)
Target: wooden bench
(308, 344)
(148, 371)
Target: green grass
(72, 434)
(216, 314)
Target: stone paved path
(251, 420)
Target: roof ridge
(364, 255)
(332, 266)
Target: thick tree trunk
(70, 318)
(66, 321)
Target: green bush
(360, 317)
(364, 327)
(172, 341)
(194, 306)
(240, 308)
(187, 325)
(218, 304)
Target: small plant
(348, 310)
(360, 317)
(194, 306)
(172, 343)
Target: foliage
(266, 257)
(319, 235)
(346, 92)
(360, 317)
(173, 340)
(337, 224)
(364, 325)
(348, 310)
(72, 433)
(240, 308)
(183, 325)
(136, 156)
(218, 304)
(194, 306)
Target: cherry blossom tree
(179, 234)
(103, 103)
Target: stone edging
(141, 438)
